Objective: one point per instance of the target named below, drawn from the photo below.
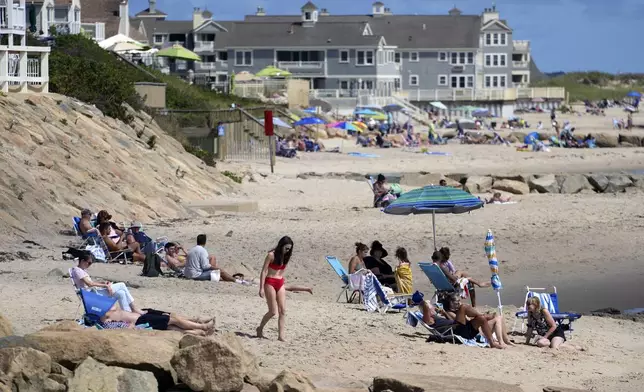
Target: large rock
(478, 184)
(573, 183)
(217, 364)
(638, 180)
(606, 139)
(5, 327)
(634, 140)
(415, 383)
(16, 341)
(288, 381)
(618, 183)
(28, 370)
(545, 184)
(92, 375)
(598, 181)
(128, 348)
(515, 187)
(420, 179)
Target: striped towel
(370, 292)
(546, 301)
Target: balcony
(303, 68)
(498, 94)
(201, 66)
(27, 69)
(204, 46)
(520, 64)
(96, 31)
(64, 27)
(521, 46)
(12, 16)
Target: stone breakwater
(520, 184)
(608, 139)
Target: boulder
(448, 134)
(573, 183)
(417, 383)
(420, 179)
(638, 180)
(288, 381)
(516, 177)
(478, 184)
(24, 361)
(630, 139)
(217, 364)
(598, 181)
(5, 327)
(618, 183)
(518, 135)
(64, 326)
(5, 383)
(16, 341)
(606, 139)
(92, 375)
(545, 184)
(514, 187)
(321, 134)
(134, 349)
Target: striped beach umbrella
(434, 200)
(490, 252)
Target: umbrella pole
(498, 295)
(434, 228)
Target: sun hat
(136, 225)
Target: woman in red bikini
(272, 287)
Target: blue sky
(566, 35)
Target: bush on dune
(595, 85)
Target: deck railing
(27, 69)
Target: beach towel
(504, 202)
(363, 155)
(370, 295)
(404, 279)
(357, 281)
(439, 153)
(463, 284)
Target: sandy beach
(585, 244)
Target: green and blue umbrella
(490, 252)
(434, 200)
(309, 121)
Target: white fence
(33, 77)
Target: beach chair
(438, 279)
(442, 335)
(85, 239)
(124, 256)
(342, 273)
(375, 297)
(550, 301)
(95, 306)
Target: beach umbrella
(480, 112)
(438, 105)
(366, 112)
(392, 108)
(115, 39)
(125, 47)
(634, 94)
(309, 121)
(434, 200)
(178, 52)
(490, 252)
(273, 72)
(531, 138)
(347, 126)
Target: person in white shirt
(201, 266)
(83, 281)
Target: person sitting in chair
(85, 224)
(173, 259)
(442, 258)
(381, 269)
(105, 230)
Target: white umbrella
(438, 105)
(125, 47)
(118, 38)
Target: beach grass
(594, 86)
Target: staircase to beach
(415, 113)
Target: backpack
(152, 266)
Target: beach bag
(97, 252)
(152, 266)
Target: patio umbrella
(309, 121)
(366, 112)
(115, 39)
(392, 108)
(273, 72)
(490, 252)
(634, 94)
(124, 47)
(178, 52)
(434, 200)
(438, 105)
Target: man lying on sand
(159, 321)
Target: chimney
(324, 12)
(490, 14)
(124, 18)
(260, 11)
(197, 18)
(152, 5)
(424, 26)
(388, 11)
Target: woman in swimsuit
(357, 262)
(271, 285)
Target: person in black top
(375, 263)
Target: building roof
(404, 31)
(146, 12)
(309, 6)
(281, 34)
(102, 11)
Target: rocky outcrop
(573, 183)
(58, 155)
(511, 186)
(545, 184)
(604, 139)
(478, 184)
(91, 375)
(288, 381)
(28, 370)
(414, 383)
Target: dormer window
(308, 16)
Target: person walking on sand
(271, 285)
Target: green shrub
(594, 85)
(79, 68)
(232, 176)
(152, 141)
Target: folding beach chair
(124, 256)
(95, 306)
(438, 279)
(342, 273)
(444, 334)
(85, 239)
(375, 297)
(550, 301)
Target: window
(462, 81)
(488, 39)
(496, 60)
(496, 39)
(413, 56)
(380, 57)
(470, 82)
(60, 15)
(504, 38)
(244, 58)
(208, 59)
(364, 57)
(158, 38)
(461, 58)
(470, 58)
(307, 16)
(222, 55)
(397, 83)
(344, 56)
(442, 80)
(397, 58)
(368, 84)
(206, 37)
(442, 56)
(495, 81)
(390, 56)
(413, 80)
(344, 85)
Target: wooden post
(268, 130)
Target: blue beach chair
(342, 273)
(550, 301)
(95, 305)
(438, 279)
(445, 334)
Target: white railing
(520, 85)
(94, 30)
(204, 45)
(34, 75)
(288, 65)
(520, 64)
(349, 93)
(17, 19)
(448, 94)
(521, 45)
(206, 66)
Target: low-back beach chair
(85, 239)
(95, 306)
(124, 256)
(438, 279)
(342, 273)
(443, 335)
(550, 301)
(375, 297)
